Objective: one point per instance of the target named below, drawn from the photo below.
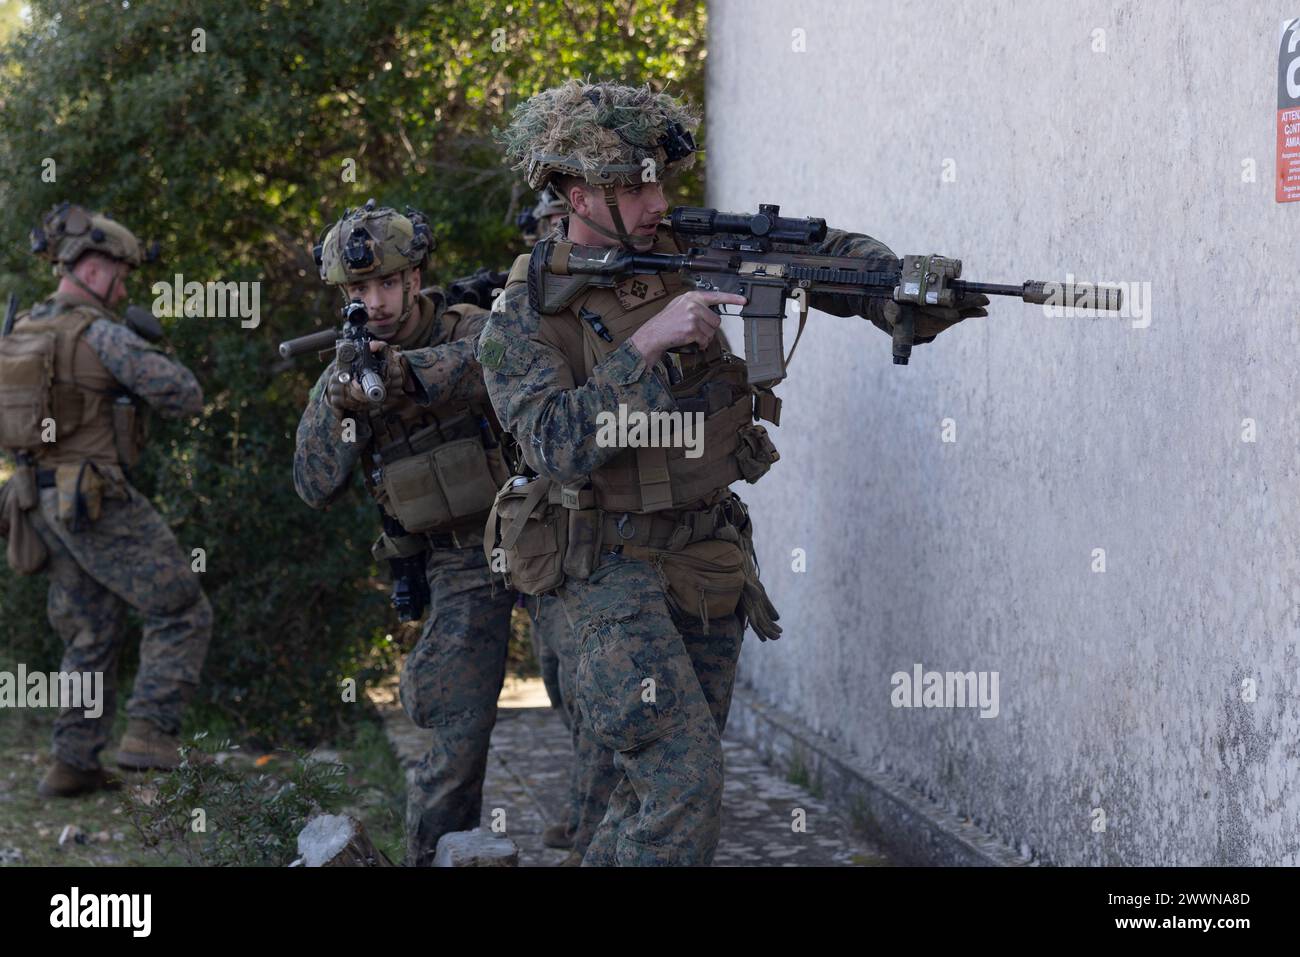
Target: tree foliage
(225, 131)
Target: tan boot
(145, 747)
(557, 835)
(63, 780)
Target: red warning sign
(1288, 113)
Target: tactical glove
(932, 320)
(347, 397)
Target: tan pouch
(414, 496)
(532, 535)
(462, 469)
(25, 552)
(584, 542)
(705, 579)
(81, 494)
(24, 487)
(26, 388)
(755, 452)
(128, 431)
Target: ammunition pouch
(129, 431)
(437, 489)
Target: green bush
(234, 158)
(226, 815)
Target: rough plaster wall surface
(1124, 690)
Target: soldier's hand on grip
(932, 320)
(687, 319)
(394, 365)
(343, 394)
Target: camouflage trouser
(592, 775)
(543, 613)
(127, 558)
(656, 688)
(450, 684)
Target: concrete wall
(1120, 690)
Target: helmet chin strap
(620, 233)
(68, 274)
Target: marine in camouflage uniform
(108, 549)
(592, 775)
(658, 646)
(430, 455)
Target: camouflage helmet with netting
(370, 241)
(601, 132)
(69, 231)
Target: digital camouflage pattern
(592, 774)
(666, 807)
(453, 676)
(655, 688)
(449, 372)
(553, 421)
(449, 686)
(144, 369)
(127, 559)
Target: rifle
(351, 350)
(11, 311)
(766, 258)
(476, 290)
(143, 323)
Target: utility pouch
(128, 431)
(705, 578)
(532, 534)
(415, 497)
(25, 552)
(755, 452)
(81, 492)
(584, 533)
(462, 469)
(434, 490)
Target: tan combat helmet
(540, 220)
(69, 231)
(604, 133)
(373, 241)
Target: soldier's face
(383, 299)
(641, 205)
(105, 276)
